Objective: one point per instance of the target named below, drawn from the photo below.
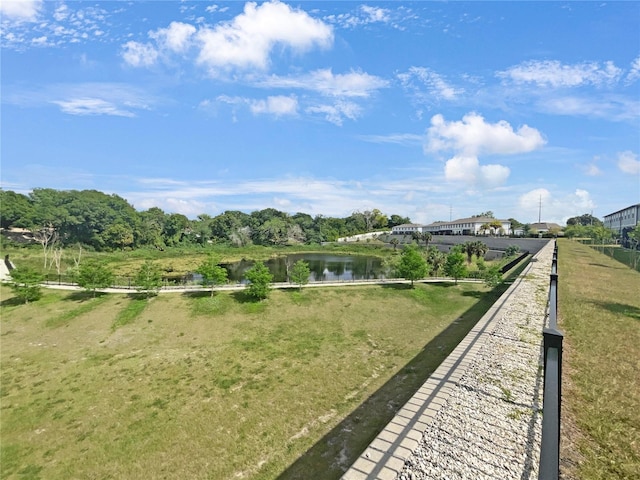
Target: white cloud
(61, 13)
(474, 136)
(492, 176)
(552, 73)
(324, 81)
(139, 54)
(21, 10)
(592, 170)
(116, 99)
(40, 41)
(426, 85)
(467, 169)
(462, 168)
(91, 106)
(177, 37)
(364, 15)
(275, 105)
(611, 107)
(248, 40)
(395, 138)
(634, 72)
(628, 162)
(66, 24)
(375, 14)
(337, 112)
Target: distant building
(469, 226)
(623, 221)
(463, 226)
(407, 229)
(545, 227)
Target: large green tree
(152, 227)
(260, 279)
(412, 265)
(118, 236)
(93, 275)
(212, 273)
(585, 220)
(455, 265)
(176, 226)
(272, 232)
(396, 220)
(15, 209)
(300, 273)
(148, 279)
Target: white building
(470, 226)
(463, 226)
(407, 229)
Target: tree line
(105, 222)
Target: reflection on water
(323, 267)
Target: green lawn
(599, 310)
(200, 387)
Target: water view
(323, 267)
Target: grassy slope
(200, 387)
(599, 302)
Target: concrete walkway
(4, 271)
(278, 285)
(413, 444)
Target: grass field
(599, 311)
(200, 387)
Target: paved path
(478, 415)
(280, 285)
(4, 271)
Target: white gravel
(490, 427)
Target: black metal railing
(552, 396)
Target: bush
(26, 284)
(512, 251)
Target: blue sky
(430, 110)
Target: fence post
(552, 386)
(552, 338)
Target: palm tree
(426, 236)
(476, 248)
(495, 226)
(436, 258)
(469, 248)
(480, 249)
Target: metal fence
(552, 346)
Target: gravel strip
(490, 426)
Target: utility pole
(540, 209)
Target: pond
(323, 267)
